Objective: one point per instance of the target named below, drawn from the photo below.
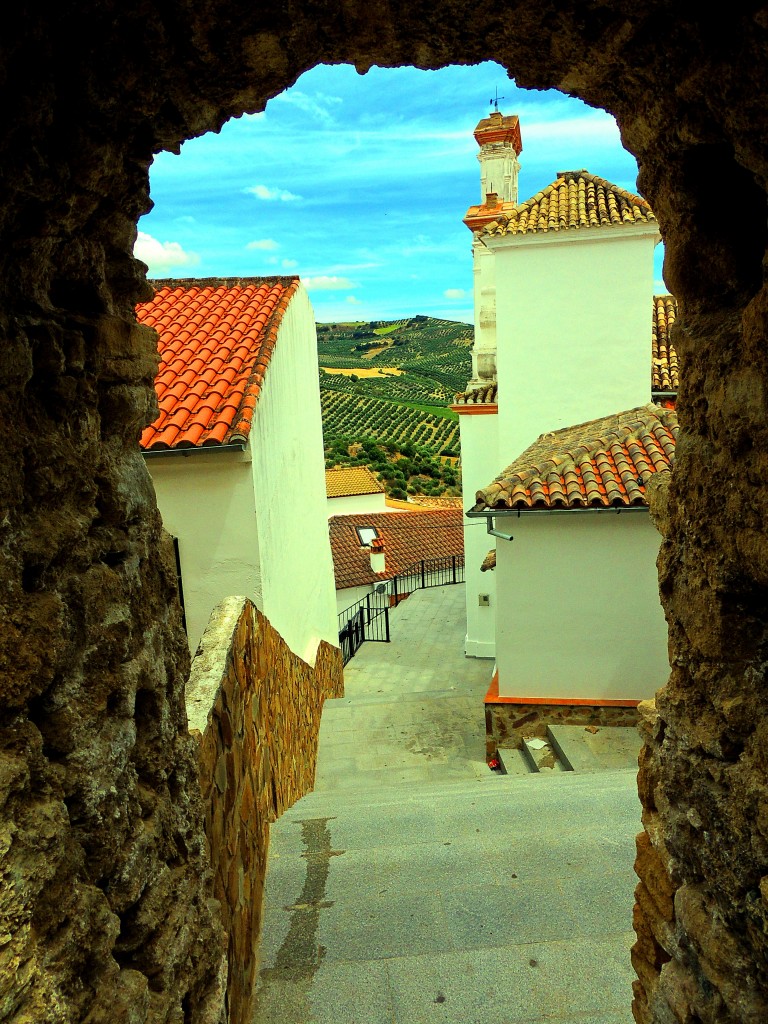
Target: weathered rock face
(105, 896)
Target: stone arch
(106, 896)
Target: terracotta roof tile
(487, 394)
(347, 481)
(215, 338)
(408, 537)
(576, 199)
(489, 562)
(664, 371)
(601, 464)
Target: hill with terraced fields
(387, 385)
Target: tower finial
(495, 100)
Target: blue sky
(358, 183)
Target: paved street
(414, 885)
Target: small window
(366, 535)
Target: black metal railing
(429, 572)
(368, 619)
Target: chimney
(377, 555)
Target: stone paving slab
(415, 885)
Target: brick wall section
(255, 708)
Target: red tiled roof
(216, 338)
(408, 537)
(605, 463)
(576, 199)
(348, 481)
(664, 367)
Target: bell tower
(500, 145)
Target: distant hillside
(433, 354)
(389, 383)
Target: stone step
(541, 756)
(514, 761)
(454, 905)
(525, 790)
(595, 748)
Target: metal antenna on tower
(495, 100)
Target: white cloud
(162, 257)
(316, 106)
(597, 126)
(263, 243)
(271, 194)
(352, 300)
(454, 293)
(289, 264)
(327, 283)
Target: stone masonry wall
(105, 904)
(255, 708)
(506, 724)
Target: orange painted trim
(492, 697)
(493, 689)
(475, 410)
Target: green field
(388, 412)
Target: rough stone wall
(105, 884)
(255, 709)
(506, 724)
(105, 896)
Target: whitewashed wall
(355, 504)
(578, 607)
(573, 327)
(289, 484)
(350, 595)
(206, 500)
(484, 345)
(479, 465)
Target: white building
(563, 305)
(353, 489)
(579, 615)
(237, 449)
